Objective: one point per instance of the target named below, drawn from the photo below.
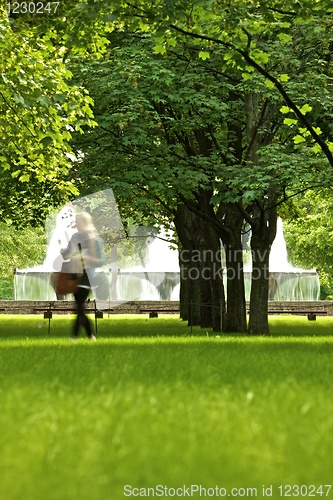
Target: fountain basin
(136, 285)
(139, 285)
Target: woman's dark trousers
(82, 319)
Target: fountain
(132, 284)
(286, 282)
(143, 267)
(139, 264)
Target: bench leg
(48, 315)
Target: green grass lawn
(151, 406)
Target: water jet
(155, 275)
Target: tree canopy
(40, 109)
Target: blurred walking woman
(85, 251)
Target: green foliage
(309, 236)
(6, 289)
(23, 204)
(156, 122)
(171, 115)
(39, 109)
(289, 46)
(248, 42)
(18, 249)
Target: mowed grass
(150, 404)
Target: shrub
(18, 249)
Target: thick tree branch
(302, 118)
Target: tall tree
(169, 141)
(256, 40)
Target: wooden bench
(153, 312)
(311, 314)
(52, 308)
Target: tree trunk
(258, 322)
(201, 272)
(213, 270)
(189, 290)
(184, 293)
(263, 234)
(263, 218)
(187, 225)
(236, 305)
(211, 276)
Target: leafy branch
(291, 104)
